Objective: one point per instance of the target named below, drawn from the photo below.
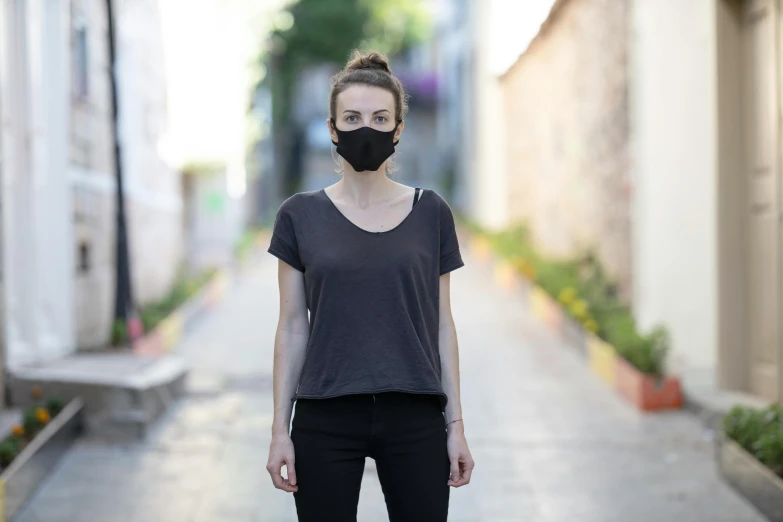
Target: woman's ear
(332, 132)
(398, 132)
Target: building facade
(565, 104)
(37, 229)
(152, 189)
(707, 186)
(59, 177)
(650, 131)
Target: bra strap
(416, 197)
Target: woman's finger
(277, 478)
(455, 475)
(467, 471)
(290, 471)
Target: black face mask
(365, 148)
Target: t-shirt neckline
(379, 233)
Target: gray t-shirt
(373, 296)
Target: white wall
(154, 202)
(487, 182)
(37, 234)
(674, 149)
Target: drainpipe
(124, 309)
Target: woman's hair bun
(372, 60)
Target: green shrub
(55, 405)
(595, 301)
(9, 449)
(554, 276)
(647, 353)
(758, 431)
(769, 450)
(185, 287)
(30, 422)
(119, 332)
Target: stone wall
(566, 101)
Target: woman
(374, 370)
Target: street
(551, 443)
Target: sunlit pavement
(550, 442)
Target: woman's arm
(449, 353)
(461, 460)
(291, 339)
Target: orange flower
(42, 414)
(17, 430)
(37, 392)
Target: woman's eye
(381, 119)
(351, 119)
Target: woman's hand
(461, 461)
(281, 452)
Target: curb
(31, 467)
(752, 479)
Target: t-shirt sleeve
(450, 257)
(283, 243)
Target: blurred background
(146, 146)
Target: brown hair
(370, 69)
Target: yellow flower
(567, 296)
(42, 414)
(591, 325)
(579, 309)
(17, 430)
(525, 267)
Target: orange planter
(644, 391)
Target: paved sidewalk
(551, 443)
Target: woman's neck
(368, 187)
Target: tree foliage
(325, 31)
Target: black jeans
(404, 433)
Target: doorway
(761, 172)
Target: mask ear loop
(340, 167)
(389, 169)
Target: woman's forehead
(365, 98)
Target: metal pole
(124, 308)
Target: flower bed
(569, 292)
(29, 454)
(759, 432)
(750, 456)
(35, 419)
(167, 331)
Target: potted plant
(639, 368)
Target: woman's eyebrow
(352, 111)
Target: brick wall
(566, 101)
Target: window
(84, 258)
(81, 60)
